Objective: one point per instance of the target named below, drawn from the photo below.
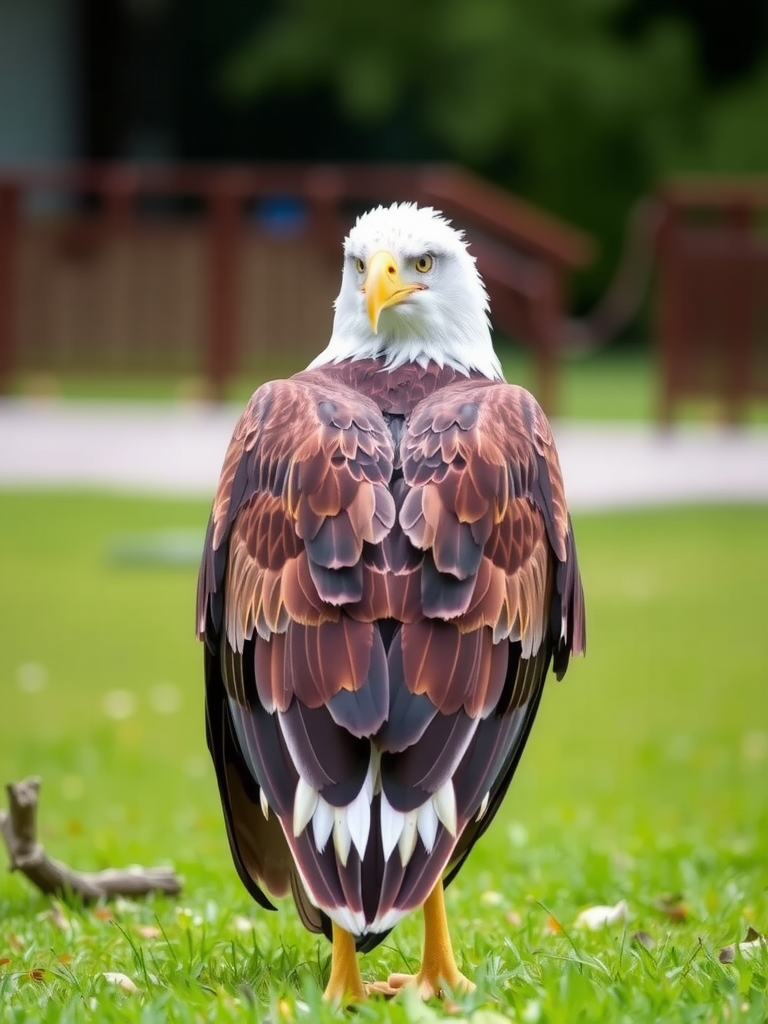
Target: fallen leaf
(553, 925)
(751, 946)
(4, 960)
(148, 931)
(120, 980)
(643, 939)
(65, 958)
(36, 974)
(752, 942)
(600, 916)
(672, 906)
(103, 913)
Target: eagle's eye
(359, 265)
(423, 263)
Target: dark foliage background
(580, 107)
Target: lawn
(617, 384)
(613, 385)
(646, 779)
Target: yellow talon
(438, 970)
(345, 983)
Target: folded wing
(379, 616)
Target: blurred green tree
(578, 106)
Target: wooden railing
(712, 293)
(123, 267)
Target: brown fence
(712, 294)
(210, 271)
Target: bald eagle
(389, 571)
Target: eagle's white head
(410, 292)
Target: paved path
(178, 448)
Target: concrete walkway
(164, 448)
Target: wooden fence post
(10, 202)
(222, 286)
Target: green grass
(619, 384)
(646, 775)
(609, 386)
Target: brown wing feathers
(380, 604)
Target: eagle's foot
(438, 971)
(427, 984)
(345, 985)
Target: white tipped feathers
(350, 825)
(445, 806)
(392, 822)
(342, 837)
(322, 823)
(427, 824)
(304, 804)
(406, 844)
(359, 819)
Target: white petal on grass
(120, 980)
(165, 699)
(187, 918)
(31, 677)
(491, 898)
(752, 948)
(752, 943)
(119, 704)
(602, 916)
(748, 948)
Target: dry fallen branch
(18, 827)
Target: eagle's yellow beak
(383, 285)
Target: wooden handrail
(523, 252)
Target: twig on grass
(18, 827)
